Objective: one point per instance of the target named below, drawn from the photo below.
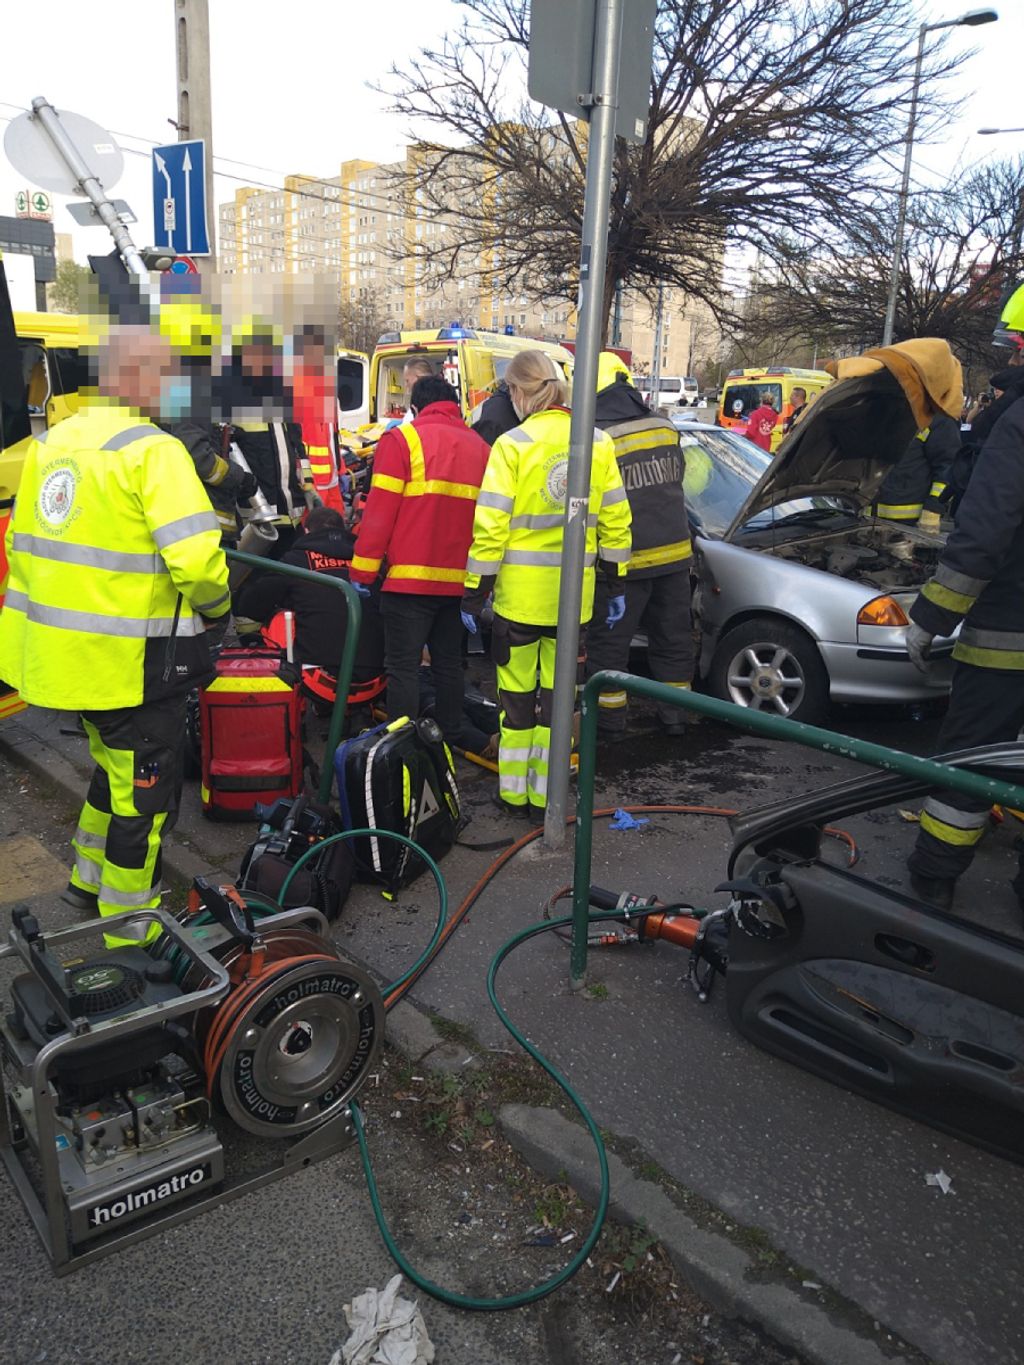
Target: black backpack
(399, 777)
(288, 828)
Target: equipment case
(251, 724)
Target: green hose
(454, 1300)
(540, 1291)
(442, 890)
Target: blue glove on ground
(623, 820)
(469, 622)
(616, 610)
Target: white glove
(919, 642)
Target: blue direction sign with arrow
(179, 198)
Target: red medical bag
(251, 725)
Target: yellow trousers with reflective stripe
(132, 799)
(524, 746)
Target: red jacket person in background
(762, 422)
(313, 400)
(419, 519)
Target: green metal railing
(924, 770)
(348, 651)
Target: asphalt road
(835, 1181)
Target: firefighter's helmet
(609, 367)
(1010, 331)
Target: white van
(674, 391)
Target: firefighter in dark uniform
(252, 397)
(494, 416)
(193, 328)
(979, 581)
(657, 582)
(913, 488)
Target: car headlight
(882, 611)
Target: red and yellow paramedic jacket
(419, 512)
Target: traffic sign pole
(65, 148)
(603, 100)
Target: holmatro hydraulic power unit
(137, 1081)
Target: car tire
(771, 666)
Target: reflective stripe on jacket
(980, 576)
(517, 529)
(111, 524)
(652, 465)
(918, 478)
(419, 511)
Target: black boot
(937, 891)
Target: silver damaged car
(802, 597)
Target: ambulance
(743, 389)
(472, 361)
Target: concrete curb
(411, 1033)
(714, 1267)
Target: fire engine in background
(742, 392)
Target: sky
(291, 85)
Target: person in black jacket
(226, 483)
(979, 581)
(495, 415)
(1009, 386)
(251, 396)
(913, 488)
(656, 586)
(321, 616)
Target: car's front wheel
(770, 666)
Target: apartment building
(359, 231)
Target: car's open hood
(860, 426)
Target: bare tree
(362, 320)
(770, 120)
(961, 253)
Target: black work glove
(246, 486)
(216, 629)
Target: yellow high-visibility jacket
(111, 530)
(517, 526)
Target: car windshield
(720, 472)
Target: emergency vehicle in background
(473, 362)
(15, 434)
(742, 391)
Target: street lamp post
(970, 20)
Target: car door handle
(906, 951)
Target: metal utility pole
(195, 117)
(659, 337)
(901, 217)
(603, 101)
(970, 20)
(67, 151)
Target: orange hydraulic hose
(722, 812)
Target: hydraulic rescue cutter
(136, 1078)
(854, 980)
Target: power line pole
(195, 117)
